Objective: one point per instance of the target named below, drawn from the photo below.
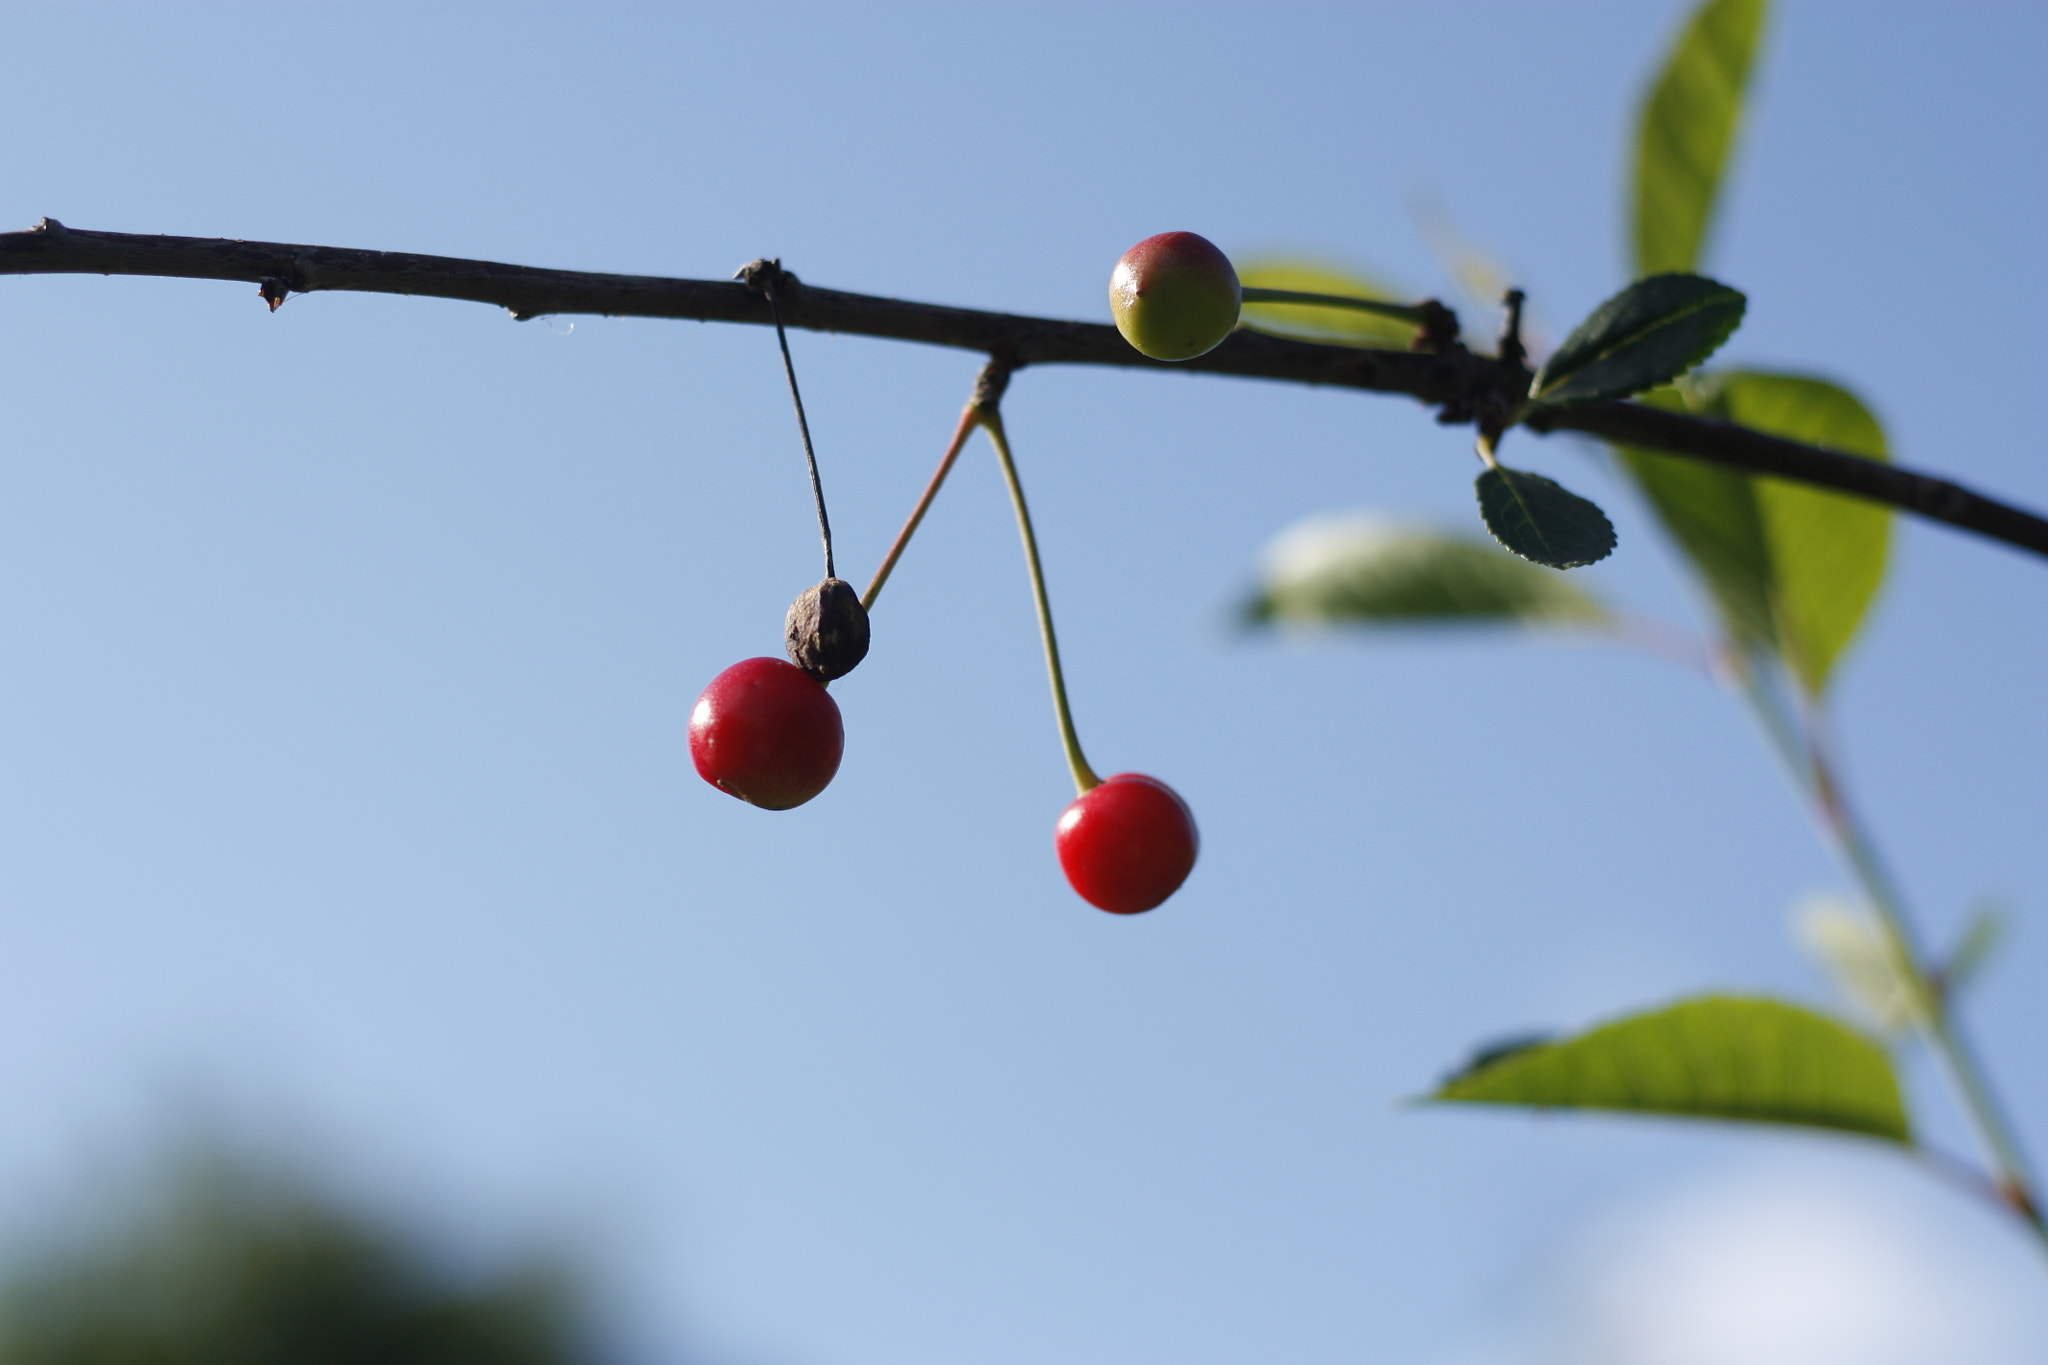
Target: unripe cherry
(765, 732)
(1127, 844)
(1175, 296)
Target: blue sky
(348, 655)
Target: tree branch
(1448, 377)
(1754, 452)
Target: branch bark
(1453, 379)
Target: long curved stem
(803, 427)
(1933, 1009)
(1400, 312)
(1085, 779)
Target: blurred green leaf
(1335, 326)
(1687, 127)
(1497, 1050)
(1791, 568)
(1828, 552)
(1480, 273)
(1647, 335)
(227, 1266)
(1542, 521)
(1726, 1057)
(1847, 943)
(1980, 940)
(1711, 512)
(1362, 568)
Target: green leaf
(1846, 941)
(1648, 334)
(1828, 552)
(1719, 1056)
(1687, 127)
(1541, 521)
(1362, 568)
(1712, 513)
(1791, 569)
(1979, 941)
(1304, 322)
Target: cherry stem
(1402, 312)
(803, 427)
(970, 418)
(1801, 747)
(1085, 779)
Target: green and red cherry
(1175, 296)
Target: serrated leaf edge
(1537, 393)
(1508, 478)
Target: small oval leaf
(1719, 1056)
(1363, 568)
(1543, 521)
(1649, 334)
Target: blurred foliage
(1688, 126)
(223, 1265)
(1362, 568)
(1979, 943)
(1849, 945)
(1792, 569)
(1304, 322)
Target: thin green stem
(1400, 312)
(1085, 779)
(1935, 1007)
(969, 419)
(1932, 1008)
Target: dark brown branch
(1447, 376)
(1753, 452)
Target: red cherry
(765, 732)
(1128, 844)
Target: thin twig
(988, 389)
(969, 420)
(1512, 348)
(767, 282)
(1754, 452)
(1815, 776)
(1442, 375)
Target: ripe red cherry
(1128, 844)
(765, 732)
(1175, 296)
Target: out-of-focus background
(347, 820)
